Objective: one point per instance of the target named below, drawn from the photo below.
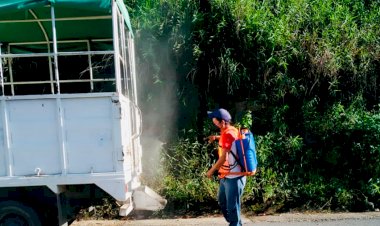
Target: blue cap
(220, 114)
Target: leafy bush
(185, 184)
(345, 144)
(303, 64)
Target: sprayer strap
(237, 160)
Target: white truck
(70, 125)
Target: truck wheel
(14, 213)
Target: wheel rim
(13, 220)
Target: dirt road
(289, 219)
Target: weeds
(312, 70)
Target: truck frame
(70, 124)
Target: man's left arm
(218, 164)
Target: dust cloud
(157, 87)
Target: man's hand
(210, 173)
(212, 138)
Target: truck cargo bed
(66, 139)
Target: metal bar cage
(54, 66)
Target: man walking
(231, 186)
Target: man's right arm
(212, 138)
(217, 165)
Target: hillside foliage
(306, 71)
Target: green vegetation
(307, 71)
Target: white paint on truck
(95, 145)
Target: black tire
(17, 214)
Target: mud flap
(145, 198)
(126, 208)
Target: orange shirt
(227, 137)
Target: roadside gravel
(366, 218)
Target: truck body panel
(95, 144)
